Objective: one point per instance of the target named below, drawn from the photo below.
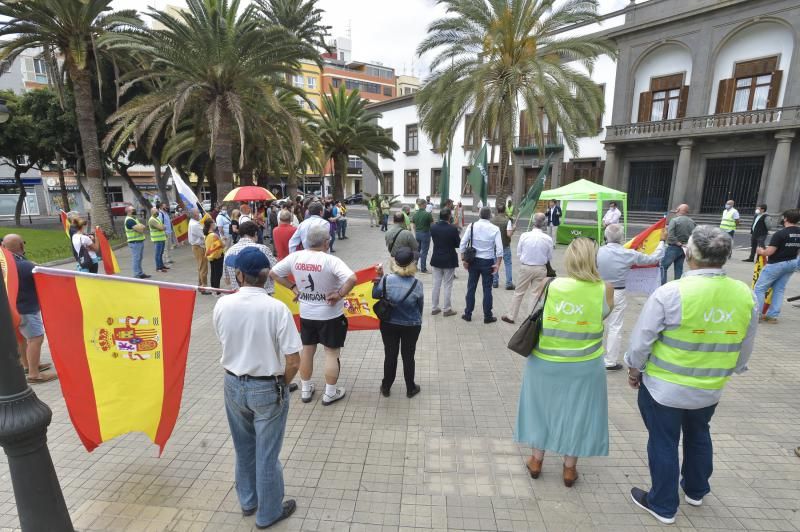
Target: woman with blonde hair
(563, 402)
(400, 331)
(235, 215)
(84, 247)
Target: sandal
(42, 367)
(44, 377)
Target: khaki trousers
(202, 265)
(528, 280)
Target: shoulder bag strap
(542, 295)
(413, 286)
(394, 240)
(471, 232)
(383, 289)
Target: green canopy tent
(584, 191)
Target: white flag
(188, 197)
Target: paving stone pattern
(444, 460)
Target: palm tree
(347, 128)
(300, 17)
(494, 56)
(74, 29)
(216, 63)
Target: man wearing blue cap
(254, 346)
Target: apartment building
(408, 85)
(376, 83)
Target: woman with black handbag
(400, 303)
(563, 402)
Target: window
(336, 82)
(470, 140)
(40, 66)
(466, 188)
(300, 101)
(412, 139)
(412, 183)
(311, 82)
(354, 84)
(494, 178)
(388, 183)
(436, 181)
(755, 85)
(379, 72)
(298, 81)
(115, 194)
(5, 66)
(666, 99)
(387, 91)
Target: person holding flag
(614, 261)
(134, 233)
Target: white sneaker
(327, 399)
(306, 395)
(693, 502)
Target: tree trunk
(291, 184)
(84, 111)
(62, 183)
(78, 163)
(339, 175)
(144, 202)
(223, 158)
(18, 171)
(161, 182)
(505, 184)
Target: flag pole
(101, 277)
(23, 435)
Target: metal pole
(23, 436)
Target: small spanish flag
(110, 264)
(121, 355)
(11, 279)
(64, 222)
(761, 263)
(357, 304)
(180, 225)
(647, 241)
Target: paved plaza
(444, 460)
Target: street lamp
(23, 431)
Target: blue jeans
(137, 252)
(664, 425)
(332, 233)
(341, 227)
(424, 241)
(480, 268)
(257, 419)
(774, 276)
(158, 248)
(507, 262)
(384, 222)
(672, 255)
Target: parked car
(355, 199)
(118, 208)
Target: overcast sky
(386, 31)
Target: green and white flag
(444, 182)
(478, 177)
(528, 205)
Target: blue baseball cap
(249, 261)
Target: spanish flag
(11, 280)
(357, 304)
(64, 222)
(647, 241)
(110, 264)
(180, 224)
(761, 263)
(121, 355)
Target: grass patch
(45, 245)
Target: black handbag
(526, 338)
(383, 306)
(84, 259)
(470, 253)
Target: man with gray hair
(481, 254)
(535, 250)
(614, 262)
(691, 336)
(321, 282)
(315, 219)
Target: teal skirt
(563, 407)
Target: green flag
(478, 177)
(528, 204)
(444, 183)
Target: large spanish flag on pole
(647, 241)
(11, 280)
(64, 222)
(121, 355)
(357, 304)
(110, 264)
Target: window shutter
(774, 89)
(523, 128)
(568, 169)
(684, 98)
(727, 89)
(645, 106)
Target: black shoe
(288, 509)
(248, 513)
(639, 498)
(385, 392)
(510, 286)
(489, 320)
(748, 260)
(293, 387)
(615, 367)
(413, 391)
(466, 318)
(495, 285)
(143, 276)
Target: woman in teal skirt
(563, 403)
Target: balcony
(698, 126)
(529, 144)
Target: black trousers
(216, 271)
(756, 241)
(399, 339)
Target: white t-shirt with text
(316, 274)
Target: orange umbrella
(249, 193)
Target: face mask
(727, 207)
(758, 211)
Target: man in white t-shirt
(321, 282)
(612, 216)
